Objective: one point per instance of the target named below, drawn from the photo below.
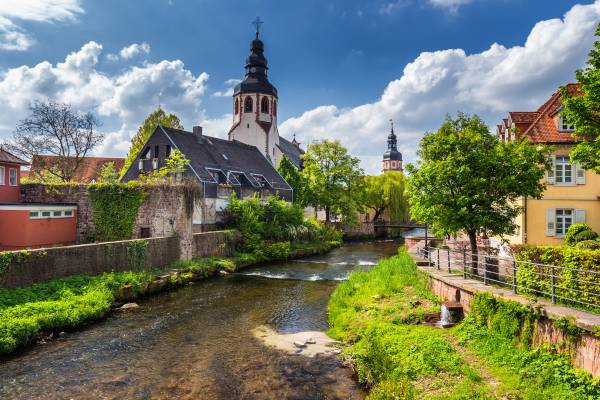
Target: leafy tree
(158, 117)
(108, 173)
(56, 129)
(386, 192)
(290, 173)
(466, 180)
(584, 111)
(174, 164)
(333, 179)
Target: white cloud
(452, 5)
(122, 100)
(489, 83)
(134, 49)
(13, 37)
(230, 85)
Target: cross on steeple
(257, 23)
(392, 125)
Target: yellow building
(572, 194)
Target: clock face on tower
(252, 69)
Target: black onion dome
(256, 80)
(392, 152)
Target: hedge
(569, 282)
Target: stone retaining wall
(585, 353)
(39, 265)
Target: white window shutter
(551, 222)
(580, 175)
(550, 174)
(580, 216)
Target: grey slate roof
(7, 157)
(228, 156)
(291, 151)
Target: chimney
(198, 132)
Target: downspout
(525, 221)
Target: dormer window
(564, 125)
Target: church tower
(255, 105)
(392, 158)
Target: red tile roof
(9, 158)
(88, 171)
(540, 126)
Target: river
(199, 342)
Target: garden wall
(163, 212)
(39, 265)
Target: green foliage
(569, 282)
(466, 180)
(6, 258)
(333, 179)
(386, 192)
(588, 245)
(108, 173)
(573, 231)
(158, 117)
(583, 111)
(136, 254)
(585, 235)
(115, 207)
(290, 173)
(501, 332)
(175, 164)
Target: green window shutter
(580, 175)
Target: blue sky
(342, 67)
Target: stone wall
(585, 352)
(163, 212)
(92, 259)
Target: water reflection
(196, 342)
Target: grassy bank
(379, 315)
(28, 313)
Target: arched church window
(248, 104)
(264, 105)
(236, 107)
(274, 108)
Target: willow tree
(582, 109)
(467, 181)
(157, 117)
(385, 192)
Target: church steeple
(392, 158)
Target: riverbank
(382, 317)
(42, 311)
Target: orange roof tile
(88, 171)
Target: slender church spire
(392, 158)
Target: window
(68, 213)
(57, 214)
(248, 104)
(46, 214)
(50, 214)
(168, 150)
(12, 176)
(2, 175)
(563, 170)
(146, 153)
(564, 219)
(564, 125)
(264, 105)
(141, 164)
(155, 163)
(274, 108)
(236, 107)
(144, 232)
(156, 151)
(34, 214)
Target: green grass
(378, 314)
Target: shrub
(573, 231)
(571, 281)
(585, 235)
(588, 245)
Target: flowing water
(197, 342)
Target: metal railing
(565, 285)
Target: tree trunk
(327, 215)
(377, 214)
(474, 258)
